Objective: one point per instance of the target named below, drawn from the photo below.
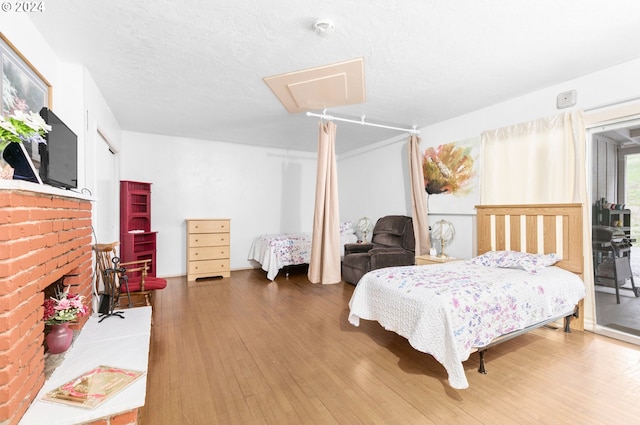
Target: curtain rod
(613, 103)
(324, 116)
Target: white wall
(75, 97)
(265, 190)
(98, 117)
(374, 182)
(378, 172)
(261, 190)
(23, 34)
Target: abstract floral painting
(451, 176)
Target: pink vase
(59, 339)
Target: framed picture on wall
(451, 174)
(23, 88)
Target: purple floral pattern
(448, 310)
(516, 259)
(276, 251)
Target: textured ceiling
(196, 68)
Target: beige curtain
(324, 266)
(542, 161)
(534, 162)
(418, 198)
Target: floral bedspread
(448, 310)
(275, 251)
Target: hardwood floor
(244, 350)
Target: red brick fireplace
(43, 237)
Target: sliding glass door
(616, 205)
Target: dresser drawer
(208, 226)
(209, 239)
(209, 267)
(208, 253)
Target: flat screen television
(59, 157)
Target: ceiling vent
(321, 87)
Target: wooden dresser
(208, 248)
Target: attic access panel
(321, 87)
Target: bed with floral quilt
(277, 251)
(453, 309)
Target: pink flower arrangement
(65, 308)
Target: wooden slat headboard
(538, 228)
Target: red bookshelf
(137, 241)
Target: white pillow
(534, 262)
(516, 260)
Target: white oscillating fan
(443, 231)
(364, 227)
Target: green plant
(22, 127)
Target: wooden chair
(130, 280)
(141, 285)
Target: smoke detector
(324, 27)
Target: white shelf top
(43, 188)
(114, 342)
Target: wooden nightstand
(427, 260)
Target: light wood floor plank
(246, 351)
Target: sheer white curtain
(538, 162)
(418, 198)
(324, 265)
